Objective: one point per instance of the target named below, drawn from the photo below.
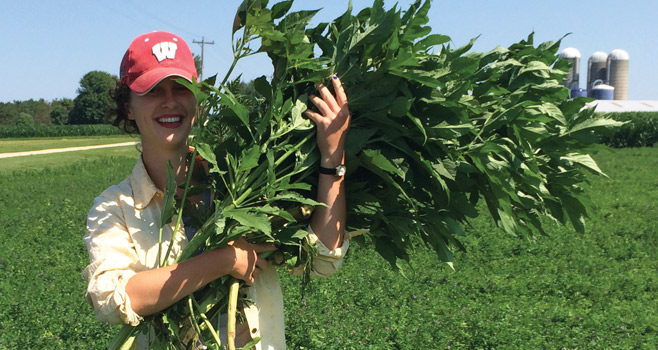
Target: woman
(124, 280)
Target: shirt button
(254, 330)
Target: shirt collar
(143, 187)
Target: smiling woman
(135, 247)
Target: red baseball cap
(153, 57)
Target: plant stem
(237, 53)
(124, 339)
(180, 210)
(208, 324)
(160, 246)
(232, 311)
(255, 179)
(192, 317)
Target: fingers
(328, 104)
(264, 247)
(321, 104)
(341, 97)
(247, 264)
(315, 117)
(327, 98)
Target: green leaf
(419, 125)
(168, 202)
(400, 106)
(377, 159)
(242, 112)
(592, 123)
(295, 197)
(507, 222)
(252, 343)
(575, 211)
(249, 158)
(430, 41)
(280, 9)
(206, 152)
(263, 87)
(249, 218)
(270, 210)
(585, 160)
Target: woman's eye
(180, 88)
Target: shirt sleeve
(113, 261)
(327, 261)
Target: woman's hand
(247, 265)
(332, 121)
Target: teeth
(169, 120)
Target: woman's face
(164, 115)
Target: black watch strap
(338, 171)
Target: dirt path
(67, 149)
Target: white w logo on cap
(164, 50)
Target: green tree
(24, 118)
(38, 109)
(8, 113)
(59, 115)
(93, 100)
(199, 65)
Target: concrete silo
(617, 68)
(572, 81)
(596, 70)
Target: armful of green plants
(435, 130)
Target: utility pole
(203, 42)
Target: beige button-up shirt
(122, 240)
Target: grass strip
(22, 145)
(57, 160)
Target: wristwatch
(338, 171)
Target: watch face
(340, 170)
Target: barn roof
(608, 106)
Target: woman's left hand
(332, 121)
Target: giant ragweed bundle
(435, 130)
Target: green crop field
(596, 290)
(56, 160)
(33, 144)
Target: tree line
(90, 106)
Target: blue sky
(48, 46)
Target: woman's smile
(170, 121)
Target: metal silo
(596, 70)
(572, 79)
(603, 91)
(617, 67)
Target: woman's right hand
(247, 265)
(154, 290)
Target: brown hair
(121, 97)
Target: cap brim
(148, 80)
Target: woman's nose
(168, 97)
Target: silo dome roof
(619, 55)
(599, 56)
(570, 52)
(603, 87)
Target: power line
(159, 19)
(203, 43)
